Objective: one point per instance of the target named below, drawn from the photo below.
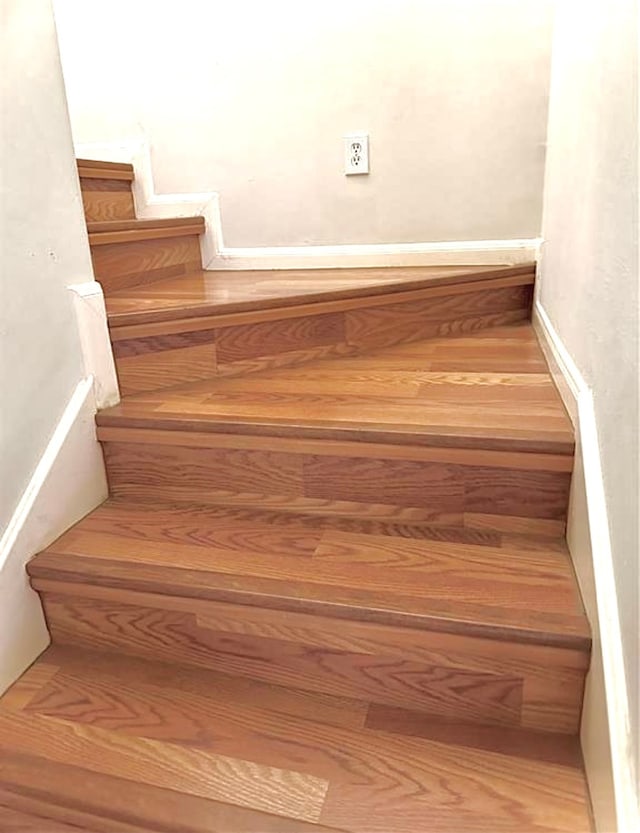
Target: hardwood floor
(108, 743)
(330, 590)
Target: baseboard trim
(97, 354)
(68, 482)
(454, 253)
(216, 255)
(605, 731)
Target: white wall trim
(216, 255)
(68, 482)
(97, 354)
(606, 702)
(454, 253)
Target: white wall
(251, 99)
(588, 285)
(51, 467)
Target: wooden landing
(204, 293)
(100, 742)
(490, 390)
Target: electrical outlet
(356, 153)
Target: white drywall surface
(588, 283)
(252, 99)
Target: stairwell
(330, 589)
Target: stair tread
(103, 738)
(105, 232)
(490, 390)
(513, 591)
(209, 292)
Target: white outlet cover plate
(356, 153)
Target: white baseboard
(216, 255)
(69, 481)
(455, 253)
(605, 731)
(91, 315)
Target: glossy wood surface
(500, 592)
(208, 292)
(110, 744)
(138, 262)
(330, 589)
(484, 629)
(91, 168)
(488, 390)
(261, 339)
(107, 199)
(126, 231)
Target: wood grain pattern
(389, 396)
(167, 765)
(106, 199)
(288, 336)
(330, 590)
(150, 371)
(443, 491)
(205, 293)
(113, 711)
(104, 233)
(321, 576)
(105, 170)
(274, 312)
(118, 265)
(93, 801)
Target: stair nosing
(427, 622)
(196, 310)
(418, 436)
(105, 232)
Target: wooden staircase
(330, 589)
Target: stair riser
(435, 486)
(462, 678)
(107, 199)
(121, 265)
(153, 356)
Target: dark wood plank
(552, 747)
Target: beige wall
(251, 99)
(589, 275)
(44, 246)
(51, 467)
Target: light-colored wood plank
(150, 371)
(205, 774)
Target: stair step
(217, 292)
(93, 169)
(98, 739)
(127, 253)
(127, 231)
(506, 592)
(485, 391)
(106, 190)
(461, 432)
(224, 343)
(493, 634)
